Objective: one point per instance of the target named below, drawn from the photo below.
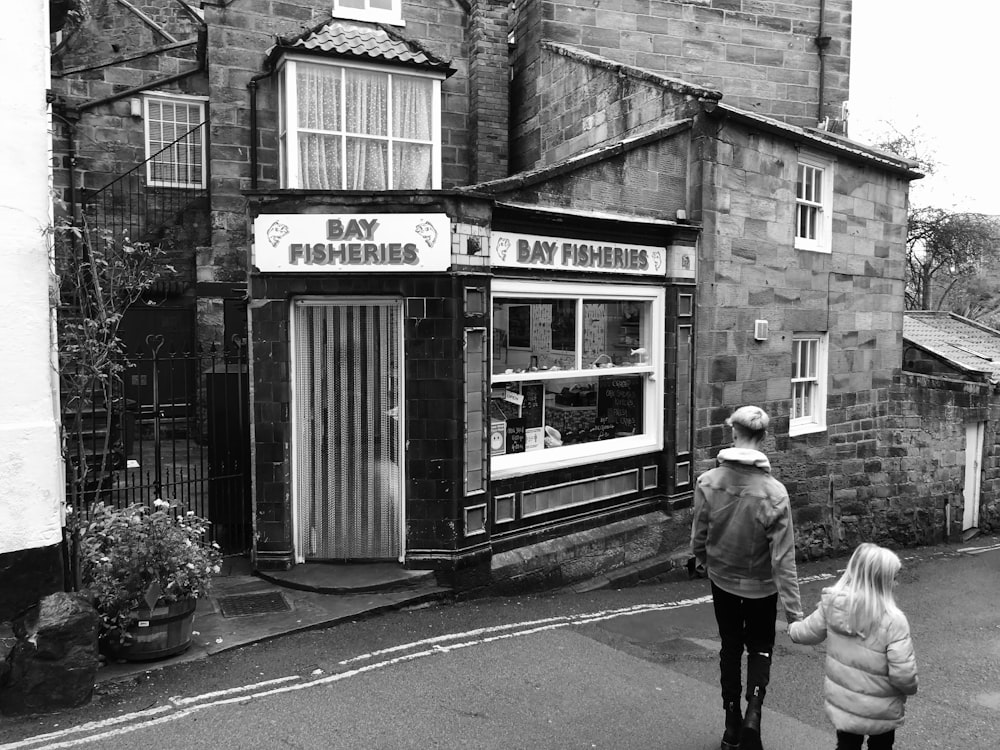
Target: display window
(576, 373)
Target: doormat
(241, 605)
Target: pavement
(244, 607)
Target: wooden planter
(158, 633)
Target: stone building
(505, 268)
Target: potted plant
(145, 568)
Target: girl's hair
(868, 583)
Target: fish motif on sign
(427, 231)
(657, 260)
(503, 245)
(275, 232)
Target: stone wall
(762, 55)
(743, 192)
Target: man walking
(742, 537)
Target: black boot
(734, 722)
(750, 731)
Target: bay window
(356, 127)
(576, 373)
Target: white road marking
(182, 707)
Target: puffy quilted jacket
(742, 529)
(867, 678)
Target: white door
(974, 434)
(348, 402)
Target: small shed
(949, 395)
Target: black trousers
(744, 624)
(848, 741)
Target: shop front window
(576, 373)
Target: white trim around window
(813, 203)
(172, 160)
(373, 11)
(578, 366)
(327, 152)
(810, 353)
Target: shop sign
(541, 252)
(351, 243)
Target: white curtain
(319, 109)
(367, 98)
(411, 119)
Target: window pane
(569, 411)
(367, 161)
(359, 4)
(411, 107)
(796, 354)
(411, 166)
(615, 331)
(534, 333)
(381, 4)
(817, 190)
(800, 182)
(318, 97)
(367, 97)
(319, 161)
(811, 364)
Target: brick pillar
(489, 74)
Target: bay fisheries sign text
(563, 254)
(351, 243)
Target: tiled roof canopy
(964, 343)
(371, 42)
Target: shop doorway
(347, 452)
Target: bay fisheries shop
(442, 378)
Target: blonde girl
(870, 664)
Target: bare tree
(950, 255)
(947, 254)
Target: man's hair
(751, 421)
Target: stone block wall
(743, 192)
(762, 55)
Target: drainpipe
(822, 42)
(70, 118)
(252, 85)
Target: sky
(934, 67)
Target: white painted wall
(30, 462)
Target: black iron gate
(179, 431)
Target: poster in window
(564, 325)
(519, 326)
(619, 404)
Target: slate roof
(965, 344)
(370, 42)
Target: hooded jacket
(742, 529)
(867, 676)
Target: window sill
(805, 429)
(813, 247)
(547, 459)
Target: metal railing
(138, 209)
(178, 430)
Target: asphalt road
(635, 668)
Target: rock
(54, 662)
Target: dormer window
(374, 11)
(349, 126)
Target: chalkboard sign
(515, 435)
(619, 403)
(531, 408)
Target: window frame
(517, 464)
(202, 103)
(815, 422)
(822, 243)
(288, 130)
(393, 17)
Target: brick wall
(489, 74)
(761, 55)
